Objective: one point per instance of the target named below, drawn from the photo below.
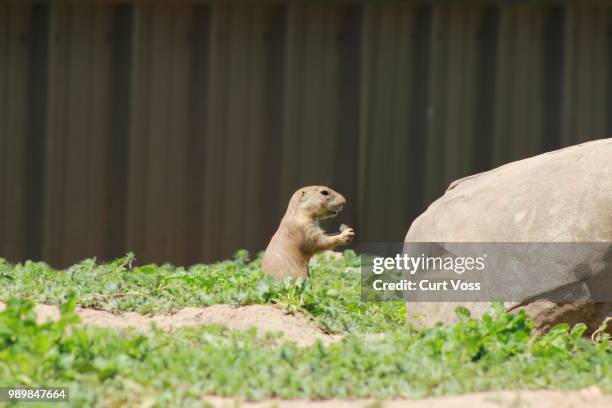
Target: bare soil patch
(589, 397)
(265, 318)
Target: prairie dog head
(317, 202)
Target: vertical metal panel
(321, 100)
(35, 159)
(53, 233)
(552, 82)
(587, 74)
(179, 131)
(159, 200)
(15, 37)
(461, 64)
(178, 181)
(138, 148)
(99, 128)
(264, 104)
(461, 84)
(435, 171)
(4, 95)
(310, 108)
(486, 76)
(77, 151)
(114, 211)
(237, 134)
(520, 107)
(394, 116)
(161, 92)
(217, 124)
(80, 133)
(195, 164)
(348, 88)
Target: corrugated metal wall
(180, 131)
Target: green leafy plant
(107, 368)
(332, 297)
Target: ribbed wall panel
(179, 131)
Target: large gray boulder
(560, 196)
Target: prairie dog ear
(302, 196)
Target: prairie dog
(299, 235)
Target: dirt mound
(590, 397)
(265, 318)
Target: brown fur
(299, 235)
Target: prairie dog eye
(325, 192)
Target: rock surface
(560, 196)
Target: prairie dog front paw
(346, 236)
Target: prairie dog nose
(340, 200)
